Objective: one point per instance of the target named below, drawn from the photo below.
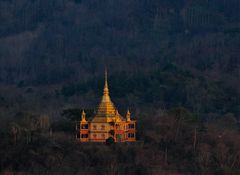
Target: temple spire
(128, 116)
(106, 90)
(106, 107)
(83, 116)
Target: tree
(110, 141)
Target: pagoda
(107, 123)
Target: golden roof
(106, 110)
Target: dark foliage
(165, 58)
(175, 142)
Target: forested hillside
(161, 56)
(181, 52)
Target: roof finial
(83, 116)
(128, 116)
(106, 91)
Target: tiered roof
(106, 111)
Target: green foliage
(167, 138)
(110, 141)
(181, 113)
(74, 114)
(64, 125)
(168, 53)
(112, 132)
(20, 84)
(68, 91)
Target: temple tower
(107, 122)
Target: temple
(107, 123)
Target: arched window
(131, 126)
(103, 136)
(131, 135)
(103, 127)
(94, 127)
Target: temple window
(103, 127)
(84, 126)
(94, 127)
(131, 126)
(84, 135)
(131, 135)
(94, 135)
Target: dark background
(161, 55)
(158, 53)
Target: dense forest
(174, 63)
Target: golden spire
(106, 90)
(83, 116)
(117, 119)
(128, 116)
(106, 107)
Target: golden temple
(107, 123)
